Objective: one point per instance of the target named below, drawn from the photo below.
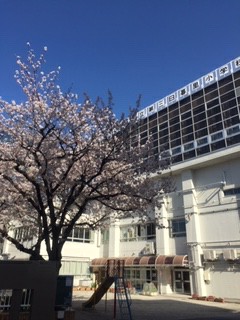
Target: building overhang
(147, 261)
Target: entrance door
(182, 281)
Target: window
(203, 150)
(201, 133)
(217, 136)
(188, 146)
(75, 268)
(128, 233)
(233, 140)
(138, 232)
(105, 236)
(231, 192)
(218, 145)
(177, 228)
(202, 141)
(151, 231)
(187, 138)
(176, 150)
(23, 234)
(81, 235)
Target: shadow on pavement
(159, 309)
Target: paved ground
(157, 308)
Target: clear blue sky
(131, 47)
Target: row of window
(127, 233)
(212, 114)
(138, 232)
(177, 228)
(75, 268)
(224, 90)
(77, 235)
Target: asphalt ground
(161, 307)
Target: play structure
(114, 273)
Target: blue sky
(130, 47)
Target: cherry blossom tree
(65, 163)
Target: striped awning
(175, 260)
(157, 261)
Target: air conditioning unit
(210, 255)
(230, 254)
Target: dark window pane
(184, 101)
(227, 96)
(226, 88)
(215, 127)
(186, 107)
(214, 119)
(177, 158)
(201, 133)
(199, 109)
(163, 125)
(188, 138)
(175, 127)
(189, 154)
(218, 145)
(175, 135)
(230, 122)
(175, 143)
(186, 115)
(174, 121)
(163, 132)
(211, 95)
(152, 123)
(197, 102)
(186, 122)
(229, 104)
(236, 75)
(213, 111)
(203, 150)
(210, 88)
(200, 125)
(199, 117)
(143, 128)
(153, 117)
(213, 103)
(187, 130)
(225, 81)
(233, 140)
(197, 94)
(153, 130)
(230, 113)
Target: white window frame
(175, 226)
(138, 232)
(80, 234)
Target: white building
(198, 250)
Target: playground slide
(99, 293)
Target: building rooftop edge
(191, 88)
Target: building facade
(197, 248)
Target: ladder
(124, 299)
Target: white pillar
(162, 234)
(114, 239)
(193, 230)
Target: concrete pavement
(171, 307)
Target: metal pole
(115, 301)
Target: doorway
(182, 281)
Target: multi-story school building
(198, 249)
